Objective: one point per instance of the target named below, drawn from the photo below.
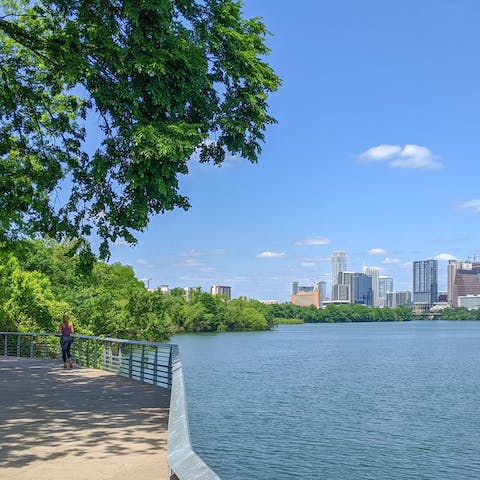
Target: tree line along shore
(40, 281)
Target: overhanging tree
(163, 79)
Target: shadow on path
(79, 423)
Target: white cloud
(121, 242)
(141, 261)
(380, 153)
(390, 260)
(193, 253)
(201, 253)
(316, 259)
(471, 205)
(218, 251)
(308, 264)
(445, 256)
(313, 241)
(232, 161)
(408, 156)
(377, 251)
(195, 280)
(271, 255)
(190, 262)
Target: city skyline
(373, 154)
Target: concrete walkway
(79, 424)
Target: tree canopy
(337, 313)
(42, 281)
(162, 80)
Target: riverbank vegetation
(460, 314)
(338, 313)
(41, 281)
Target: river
(352, 401)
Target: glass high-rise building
(385, 285)
(339, 264)
(373, 272)
(362, 289)
(425, 282)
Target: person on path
(66, 330)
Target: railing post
(155, 367)
(31, 346)
(104, 356)
(95, 354)
(79, 359)
(6, 345)
(88, 353)
(130, 360)
(142, 365)
(120, 358)
(18, 346)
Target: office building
(453, 267)
(269, 302)
(322, 288)
(305, 299)
(189, 291)
(425, 282)
(362, 289)
(463, 280)
(304, 296)
(396, 299)
(385, 285)
(373, 272)
(443, 297)
(222, 290)
(467, 282)
(472, 302)
(343, 290)
(339, 264)
(164, 289)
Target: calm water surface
(337, 402)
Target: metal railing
(149, 362)
(183, 461)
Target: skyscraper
(362, 289)
(322, 288)
(385, 284)
(339, 264)
(453, 266)
(425, 282)
(463, 279)
(466, 282)
(373, 272)
(344, 288)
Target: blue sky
(375, 153)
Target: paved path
(79, 424)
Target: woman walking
(66, 330)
